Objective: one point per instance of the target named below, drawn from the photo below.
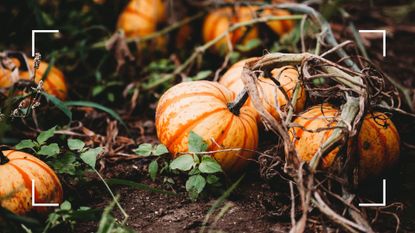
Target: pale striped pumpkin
(271, 95)
(202, 107)
(16, 183)
(54, 83)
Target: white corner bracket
(378, 31)
(40, 204)
(39, 31)
(377, 204)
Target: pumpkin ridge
(222, 137)
(48, 171)
(185, 128)
(220, 90)
(310, 120)
(168, 102)
(25, 177)
(235, 162)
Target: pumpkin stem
(3, 158)
(240, 100)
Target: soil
(257, 205)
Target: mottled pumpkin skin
(16, 183)
(271, 95)
(140, 17)
(54, 83)
(201, 106)
(222, 19)
(307, 143)
(378, 145)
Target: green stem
(3, 158)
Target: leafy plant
(200, 167)
(146, 150)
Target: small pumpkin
(378, 145)
(377, 142)
(141, 17)
(17, 170)
(271, 95)
(220, 20)
(202, 107)
(54, 83)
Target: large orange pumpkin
(220, 20)
(202, 107)
(54, 83)
(377, 141)
(17, 173)
(271, 95)
(141, 17)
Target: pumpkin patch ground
(207, 116)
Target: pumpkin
(378, 145)
(17, 170)
(307, 143)
(141, 17)
(220, 20)
(202, 107)
(279, 27)
(269, 92)
(377, 142)
(54, 83)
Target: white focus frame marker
(377, 204)
(39, 31)
(378, 31)
(40, 204)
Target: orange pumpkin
(271, 95)
(279, 27)
(377, 142)
(17, 173)
(54, 83)
(141, 17)
(202, 107)
(378, 145)
(220, 20)
(307, 143)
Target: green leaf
(196, 143)
(212, 179)
(194, 171)
(249, 45)
(49, 150)
(152, 169)
(209, 165)
(195, 185)
(160, 150)
(202, 75)
(45, 135)
(59, 104)
(97, 106)
(183, 163)
(27, 143)
(65, 164)
(76, 144)
(90, 156)
(144, 149)
(66, 205)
